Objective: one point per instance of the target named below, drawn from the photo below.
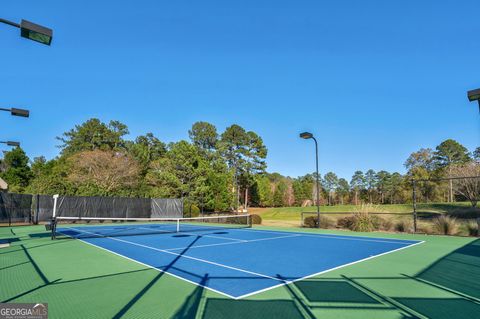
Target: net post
(249, 221)
(53, 222)
(178, 225)
(53, 225)
(55, 200)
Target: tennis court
(431, 277)
(236, 262)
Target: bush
(256, 219)
(191, 210)
(346, 222)
(363, 222)
(312, 222)
(445, 225)
(404, 226)
(472, 228)
(424, 229)
(386, 224)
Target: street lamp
(32, 31)
(11, 143)
(474, 95)
(17, 112)
(306, 136)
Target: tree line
(217, 171)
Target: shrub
(424, 229)
(445, 225)
(386, 224)
(404, 226)
(256, 219)
(363, 222)
(191, 210)
(312, 222)
(346, 222)
(472, 228)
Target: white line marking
(184, 256)
(343, 237)
(286, 282)
(155, 231)
(152, 267)
(242, 242)
(201, 235)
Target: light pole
(17, 112)
(11, 143)
(307, 135)
(32, 31)
(474, 95)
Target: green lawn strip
(293, 213)
(83, 281)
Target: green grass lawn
(436, 279)
(293, 213)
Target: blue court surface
(235, 262)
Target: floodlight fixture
(32, 31)
(11, 143)
(474, 95)
(17, 112)
(306, 135)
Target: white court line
(286, 282)
(242, 242)
(154, 231)
(152, 267)
(309, 234)
(332, 236)
(184, 256)
(200, 235)
(283, 282)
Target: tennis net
(88, 227)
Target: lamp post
(32, 31)
(17, 112)
(11, 143)
(306, 136)
(474, 95)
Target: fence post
(10, 208)
(414, 197)
(36, 208)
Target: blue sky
(373, 80)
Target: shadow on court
(456, 275)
